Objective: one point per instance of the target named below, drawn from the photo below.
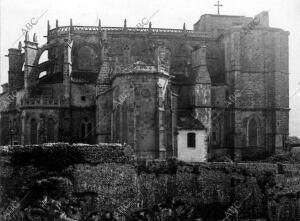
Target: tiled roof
(189, 123)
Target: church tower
(257, 71)
(15, 73)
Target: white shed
(191, 140)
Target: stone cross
(218, 5)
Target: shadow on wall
(242, 154)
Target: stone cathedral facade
(221, 87)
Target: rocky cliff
(77, 182)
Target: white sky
(15, 14)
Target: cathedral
(220, 89)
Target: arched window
(125, 123)
(86, 58)
(86, 132)
(216, 133)
(83, 129)
(43, 57)
(33, 131)
(252, 132)
(89, 132)
(50, 130)
(42, 74)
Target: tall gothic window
(252, 132)
(125, 123)
(86, 132)
(89, 132)
(216, 133)
(50, 130)
(86, 58)
(33, 131)
(83, 131)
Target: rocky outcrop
(78, 181)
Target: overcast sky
(15, 14)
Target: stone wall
(107, 177)
(100, 176)
(213, 187)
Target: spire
(125, 23)
(150, 27)
(69, 35)
(34, 39)
(184, 26)
(99, 23)
(27, 36)
(20, 46)
(48, 25)
(71, 26)
(69, 38)
(56, 23)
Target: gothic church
(219, 89)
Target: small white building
(192, 140)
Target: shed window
(191, 140)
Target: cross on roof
(218, 5)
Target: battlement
(155, 31)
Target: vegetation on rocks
(106, 182)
